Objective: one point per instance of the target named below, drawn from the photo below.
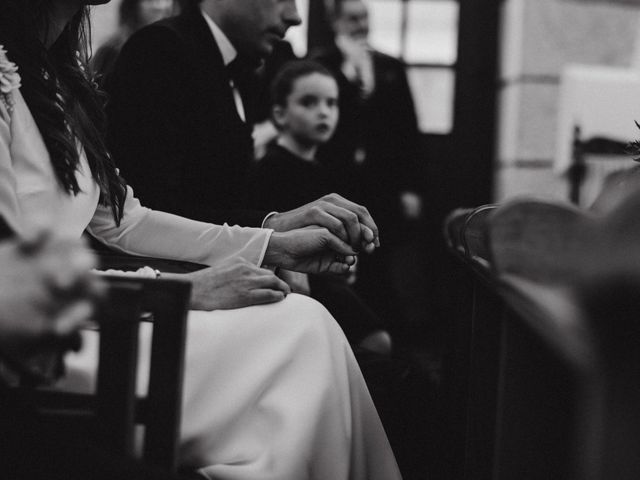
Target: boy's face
(311, 112)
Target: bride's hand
(235, 284)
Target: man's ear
(278, 115)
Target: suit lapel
(210, 67)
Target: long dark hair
(63, 99)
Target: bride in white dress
(271, 391)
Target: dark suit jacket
(173, 126)
(385, 127)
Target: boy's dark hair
(282, 84)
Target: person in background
(376, 142)
(132, 16)
(305, 112)
(270, 391)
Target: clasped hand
(347, 220)
(323, 236)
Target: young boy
(305, 112)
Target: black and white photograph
(319, 239)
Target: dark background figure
(375, 152)
(132, 15)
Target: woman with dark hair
(132, 15)
(271, 391)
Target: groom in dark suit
(180, 117)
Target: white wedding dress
(271, 392)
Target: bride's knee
(303, 303)
(310, 314)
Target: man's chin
(261, 52)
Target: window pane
(433, 90)
(385, 19)
(432, 31)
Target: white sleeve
(9, 209)
(157, 234)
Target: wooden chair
(453, 228)
(474, 234)
(475, 353)
(610, 293)
(612, 311)
(548, 389)
(561, 399)
(536, 248)
(539, 240)
(114, 411)
(569, 386)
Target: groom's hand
(347, 220)
(309, 250)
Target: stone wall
(538, 38)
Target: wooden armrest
(453, 226)
(474, 234)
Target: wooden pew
(475, 350)
(560, 390)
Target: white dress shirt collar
(228, 51)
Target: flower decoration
(9, 78)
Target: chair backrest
(453, 228)
(549, 389)
(565, 284)
(539, 240)
(474, 235)
(114, 411)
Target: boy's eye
(332, 102)
(308, 101)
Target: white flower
(9, 77)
